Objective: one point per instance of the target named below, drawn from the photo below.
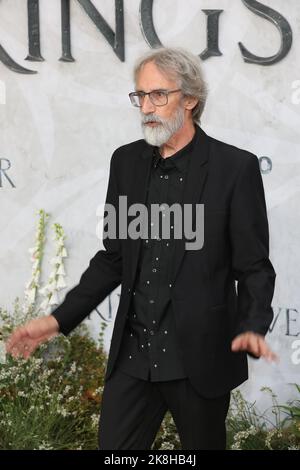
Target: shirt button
(148, 282)
(164, 349)
(170, 285)
(180, 179)
(148, 344)
(147, 241)
(145, 329)
(129, 289)
(134, 315)
(131, 334)
(134, 293)
(166, 332)
(167, 243)
(155, 365)
(154, 270)
(130, 357)
(157, 259)
(166, 177)
(161, 176)
(151, 301)
(154, 321)
(142, 345)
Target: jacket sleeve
(249, 234)
(102, 276)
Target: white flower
(44, 290)
(270, 435)
(242, 436)
(53, 299)
(44, 304)
(61, 270)
(52, 278)
(167, 446)
(61, 283)
(45, 446)
(55, 280)
(35, 263)
(2, 352)
(56, 260)
(95, 420)
(31, 295)
(67, 388)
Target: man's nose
(147, 105)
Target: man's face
(159, 123)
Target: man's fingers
(21, 345)
(264, 349)
(15, 337)
(266, 352)
(24, 348)
(240, 343)
(236, 343)
(253, 345)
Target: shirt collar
(178, 159)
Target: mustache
(151, 118)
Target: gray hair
(183, 67)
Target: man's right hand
(25, 339)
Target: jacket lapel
(138, 194)
(193, 189)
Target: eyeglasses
(157, 97)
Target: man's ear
(190, 102)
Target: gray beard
(159, 135)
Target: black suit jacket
(209, 310)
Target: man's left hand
(255, 344)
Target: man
(182, 330)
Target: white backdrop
(60, 126)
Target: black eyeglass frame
(142, 94)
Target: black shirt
(149, 348)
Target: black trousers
(132, 411)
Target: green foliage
(247, 429)
(52, 400)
